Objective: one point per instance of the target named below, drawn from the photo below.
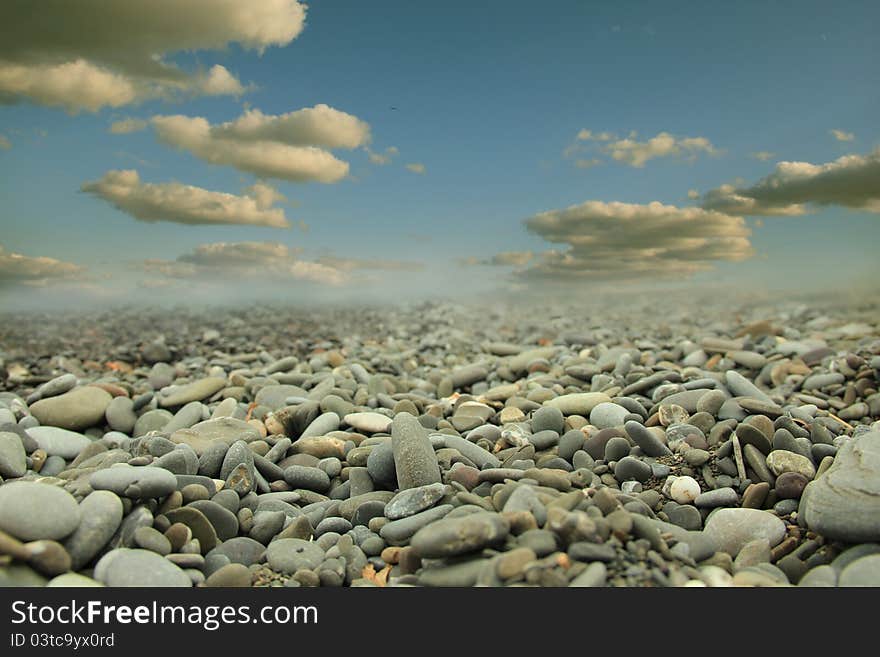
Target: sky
(158, 151)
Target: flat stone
(30, 511)
(474, 453)
(862, 572)
(454, 536)
(579, 403)
(233, 575)
(844, 502)
(740, 386)
(101, 513)
(606, 415)
(13, 459)
(725, 496)
(125, 567)
(650, 444)
(731, 529)
(631, 468)
(399, 532)
(201, 527)
(548, 418)
(781, 461)
(287, 555)
(136, 482)
(224, 521)
(78, 409)
(225, 430)
(72, 580)
(411, 501)
(749, 435)
(414, 457)
(190, 392)
(59, 442)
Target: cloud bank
(16, 268)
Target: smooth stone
(450, 537)
(274, 397)
(820, 576)
(31, 511)
(607, 415)
(287, 555)
(151, 539)
(862, 572)
(474, 453)
(413, 500)
(370, 422)
(78, 409)
(189, 415)
(580, 403)
(120, 414)
(224, 430)
(398, 532)
(629, 468)
(301, 476)
(414, 458)
(686, 516)
(240, 549)
(101, 513)
(233, 575)
(321, 425)
(237, 454)
(136, 482)
(201, 527)
(684, 490)
(725, 496)
(780, 461)
(13, 459)
(459, 575)
(740, 386)
(548, 418)
(749, 435)
(72, 580)
(644, 438)
(59, 442)
(594, 575)
(124, 567)
(731, 529)
(190, 392)
(844, 502)
(153, 420)
(224, 521)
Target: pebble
(684, 490)
(289, 555)
(606, 415)
(731, 529)
(190, 392)
(455, 536)
(13, 459)
(124, 567)
(78, 409)
(136, 482)
(101, 513)
(780, 461)
(844, 503)
(581, 403)
(644, 438)
(30, 511)
(59, 442)
(414, 459)
(410, 501)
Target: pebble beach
(651, 443)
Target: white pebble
(684, 490)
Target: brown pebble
(178, 535)
(193, 493)
(391, 555)
(232, 575)
(49, 557)
(786, 547)
(520, 521)
(755, 495)
(173, 501)
(513, 563)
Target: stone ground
(650, 442)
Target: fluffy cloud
(510, 258)
(17, 268)
(352, 264)
(840, 135)
(92, 53)
(852, 181)
(416, 167)
(186, 204)
(236, 261)
(636, 153)
(320, 125)
(633, 152)
(287, 147)
(616, 241)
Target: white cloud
(237, 261)
(632, 152)
(320, 125)
(186, 204)
(636, 153)
(851, 181)
(41, 270)
(91, 54)
(763, 155)
(126, 126)
(5, 144)
(72, 85)
(261, 147)
(617, 241)
(510, 259)
(416, 167)
(693, 194)
(220, 82)
(840, 135)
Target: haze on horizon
(158, 152)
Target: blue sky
(488, 96)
